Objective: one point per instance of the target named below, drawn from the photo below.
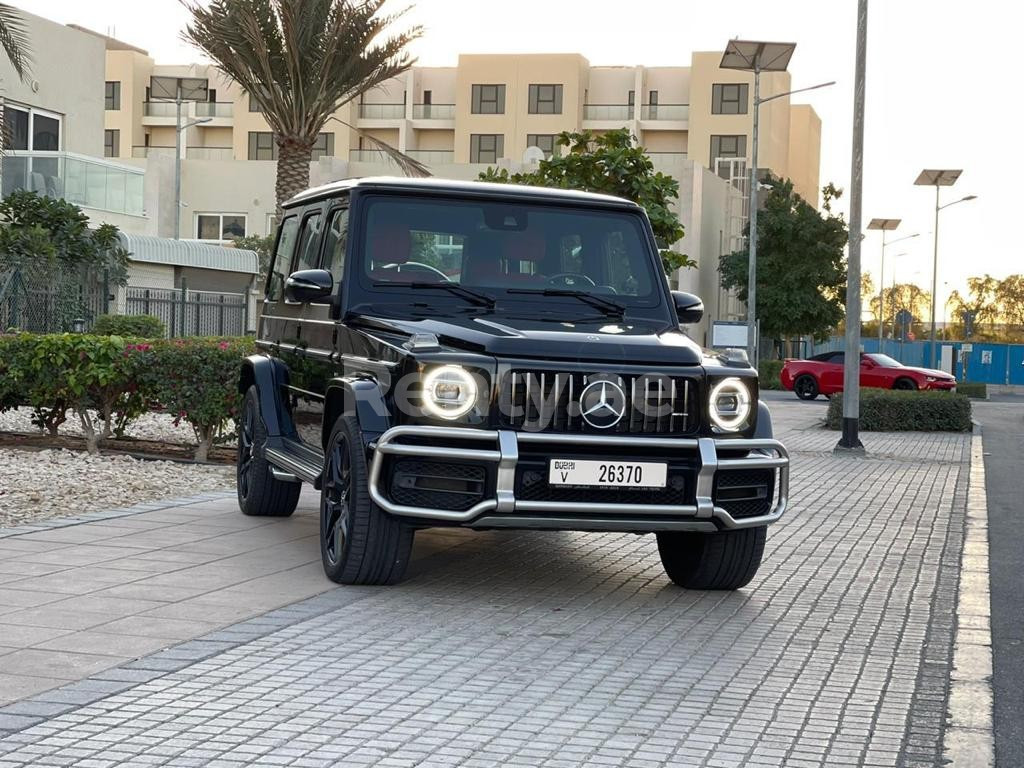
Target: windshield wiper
(608, 306)
(474, 297)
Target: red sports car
(823, 375)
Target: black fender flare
(361, 396)
(270, 376)
(764, 429)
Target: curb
(969, 738)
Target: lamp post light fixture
(757, 56)
(885, 225)
(938, 178)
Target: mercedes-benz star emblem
(602, 404)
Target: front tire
(721, 560)
(359, 542)
(260, 494)
(905, 384)
(806, 387)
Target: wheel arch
(270, 377)
(360, 396)
(764, 430)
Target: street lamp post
(757, 56)
(885, 225)
(177, 167)
(938, 178)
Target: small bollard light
(78, 325)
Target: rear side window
(309, 244)
(335, 240)
(282, 258)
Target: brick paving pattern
(562, 649)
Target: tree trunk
(293, 158)
(203, 447)
(92, 438)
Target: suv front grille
(548, 401)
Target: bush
(886, 410)
(973, 389)
(768, 372)
(137, 326)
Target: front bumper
(501, 449)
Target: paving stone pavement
(563, 649)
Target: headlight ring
(449, 392)
(729, 404)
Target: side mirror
(308, 285)
(689, 308)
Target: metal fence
(46, 299)
(190, 313)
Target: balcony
(162, 109)
(676, 112)
(432, 156)
(90, 182)
(210, 153)
(382, 111)
(214, 109)
(667, 160)
(433, 111)
(368, 156)
(612, 112)
(150, 151)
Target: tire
(260, 494)
(359, 542)
(905, 384)
(806, 387)
(722, 560)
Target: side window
(309, 244)
(282, 257)
(336, 239)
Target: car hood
(929, 372)
(629, 341)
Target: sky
(936, 95)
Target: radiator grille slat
(543, 400)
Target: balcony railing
(140, 151)
(664, 111)
(607, 111)
(214, 109)
(368, 156)
(162, 108)
(433, 111)
(432, 156)
(382, 111)
(666, 159)
(90, 182)
(210, 153)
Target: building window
(254, 105)
(728, 146)
(262, 145)
(220, 226)
(545, 99)
(486, 147)
(112, 95)
(544, 141)
(488, 99)
(30, 128)
(428, 97)
(111, 143)
(729, 99)
(323, 146)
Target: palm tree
(14, 39)
(301, 60)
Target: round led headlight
(449, 392)
(729, 404)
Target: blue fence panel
(1015, 365)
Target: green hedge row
(976, 389)
(106, 382)
(768, 374)
(886, 410)
(136, 326)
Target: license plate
(616, 474)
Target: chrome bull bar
(501, 448)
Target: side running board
(291, 458)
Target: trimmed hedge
(973, 389)
(887, 410)
(107, 381)
(768, 372)
(137, 326)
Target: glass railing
(661, 160)
(381, 111)
(433, 111)
(368, 156)
(665, 112)
(90, 182)
(607, 111)
(209, 153)
(162, 109)
(214, 109)
(432, 156)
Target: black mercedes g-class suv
(438, 353)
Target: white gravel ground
(54, 483)
(150, 426)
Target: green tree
(1010, 298)
(903, 296)
(981, 299)
(801, 269)
(300, 60)
(612, 164)
(14, 39)
(263, 246)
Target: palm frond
(408, 165)
(14, 40)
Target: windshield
(514, 252)
(885, 361)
